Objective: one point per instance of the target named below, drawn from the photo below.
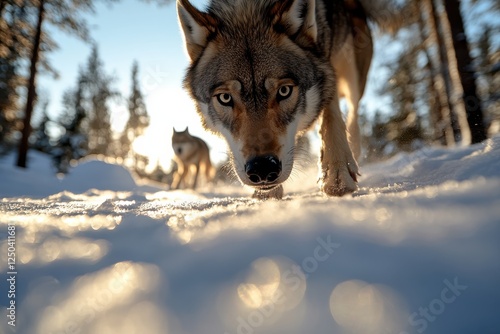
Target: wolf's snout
(263, 169)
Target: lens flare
(360, 307)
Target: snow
(41, 180)
(415, 250)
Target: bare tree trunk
(442, 76)
(465, 71)
(444, 65)
(441, 115)
(30, 101)
(452, 69)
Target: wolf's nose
(263, 169)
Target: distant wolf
(192, 156)
(263, 71)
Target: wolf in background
(192, 156)
(263, 71)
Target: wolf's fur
(252, 52)
(191, 156)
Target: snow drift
(415, 250)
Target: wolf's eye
(284, 92)
(225, 99)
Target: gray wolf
(262, 72)
(192, 156)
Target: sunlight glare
(272, 288)
(250, 295)
(92, 297)
(35, 246)
(56, 248)
(263, 282)
(273, 281)
(360, 307)
(184, 227)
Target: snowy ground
(416, 249)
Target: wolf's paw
(340, 179)
(276, 193)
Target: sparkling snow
(416, 249)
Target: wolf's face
(183, 144)
(254, 80)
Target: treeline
(84, 126)
(443, 83)
(444, 80)
(85, 122)
(24, 45)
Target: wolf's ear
(187, 129)
(196, 26)
(298, 17)
(174, 130)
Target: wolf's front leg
(179, 176)
(195, 180)
(338, 167)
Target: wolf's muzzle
(263, 170)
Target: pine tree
(138, 117)
(375, 140)
(72, 144)
(98, 93)
(489, 73)
(14, 46)
(86, 116)
(63, 14)
(404, 127)
(40, 138)
(31, 95)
